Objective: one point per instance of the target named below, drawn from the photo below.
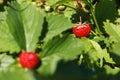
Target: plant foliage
(45, 27)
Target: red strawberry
(28, 60)
(81, 30)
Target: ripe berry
(81, 30)
(28, 60)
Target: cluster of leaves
(24, 26)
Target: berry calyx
(81, 30)
(28, 60)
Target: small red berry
(28, 60)
(81, 30)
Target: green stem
(94, 18)
(70, 7)
(93, 33)
(96, 23)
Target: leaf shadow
(44, 29)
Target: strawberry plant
(59, 39)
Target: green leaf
(2, 16)
(111, 71)
(107, 57)
(22, 27)
(5, 61)
(71, 10)
(93, 54)
(113, 30)
(15, 73)
(7, 41)
(116, 48)
(22, 1)
(104, 53)
(52, 62)
(118, 18)
(56, 25)
(105, 9)
(97, 52)
(115, 52)
(64, 48)
(51, 2)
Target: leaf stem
(93, 33)
(94, 18)
(80, 21)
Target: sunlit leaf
(93, 54)
(107, 57)
(22, 27)
(62, 48)
(16, 73)
(5, 61)
(56, 25)
(112, 30)
(66, 47)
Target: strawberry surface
(28, 60)
(81, 30)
